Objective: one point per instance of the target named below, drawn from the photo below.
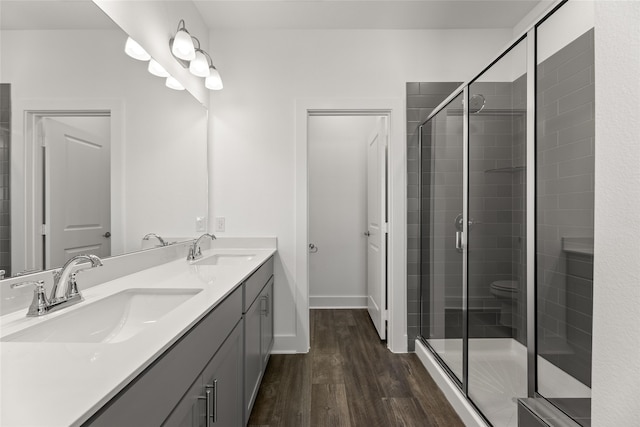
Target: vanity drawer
(254, 284)
(151, 396)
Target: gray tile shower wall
(565, 199)
(496, 208)
(422, 99)
(5, 161)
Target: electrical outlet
(201, 224)
(220, 224)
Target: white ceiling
(364, 14)
(52, 15)
(287, 14)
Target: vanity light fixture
(186, 53)
(181, 44)
(134, 50)
(156, 69)
(214, 81)
(199, 66)
(174, 84)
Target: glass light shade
(156, 69)
(134, 50)
(174, 84)
(214, 81)
(183, 46)
(199, 66)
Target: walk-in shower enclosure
(506, 224)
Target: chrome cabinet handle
(268, 304)
(211, 396)
(208, 404)
(459, 241)
(263, 308)
(213, 412)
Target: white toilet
(506, 291)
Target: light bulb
(183, 46)
(134, 50)
(214, 81)
(156, 69)
(199, 66)
(174, 84)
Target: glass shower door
(497, 354)
(565, 179)
(441, 253)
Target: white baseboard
(461, 405)
(351, 301)
(285, 344)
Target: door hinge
(385, 227)
(385, 315)
(44, 230)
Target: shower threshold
(497, 378)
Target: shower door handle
(459, 241)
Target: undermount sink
(112, 319)
(226, 259)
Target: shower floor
(498, 375)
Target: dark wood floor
(349, 378)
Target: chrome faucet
(42, 305)
(154, 235)
(194, 251)
(65, 276)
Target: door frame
(26, 188)
(393, 108)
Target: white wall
(159, 178)
(337, 152)
(616, 293)
(568, 23)
(253, 118)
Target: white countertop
(61, 384)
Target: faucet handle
(38, 284)
(39, 304)
(72, 287)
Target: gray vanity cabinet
(168, 391)
(211, 375)
(215, 398)
(258, 331)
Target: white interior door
(337, 192)
(77, 193)
(377, 226)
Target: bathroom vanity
(179, 344)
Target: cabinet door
(252, 357)
(190, 410)
(223, 384)
(266, 327)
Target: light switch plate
(219, 224)
(201, 224)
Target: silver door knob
(313, 248)
(107, 234)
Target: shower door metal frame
(465, 246)
(460, 382)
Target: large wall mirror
(96, 151)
